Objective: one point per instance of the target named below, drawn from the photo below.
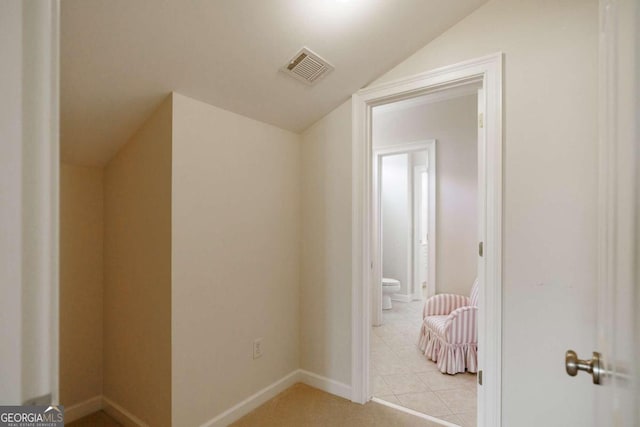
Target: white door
(424, 229)
(421, 230)
(618, 327)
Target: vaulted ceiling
(120, 58)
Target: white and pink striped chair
(449, 334)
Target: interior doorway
(404, 176)
(408, 349)
(484, 74)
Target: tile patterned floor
(402, 375)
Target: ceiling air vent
(307, 67)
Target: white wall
(325, 290)
(235, 258)
(453, 124)
(396, 218)
(550, 129)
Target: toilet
(389, 287)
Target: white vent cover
(307, 67)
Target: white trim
(39, 200)
(82, 409)
(407, 147)
(255, 400)
(416, 198)
(414, 413)
(227, 417)
(325, 384)
(252, 402)
(409, 267)
(488, 70)
(121, 415)
(432, 171)
(618, 220)
(459, 92)
(54, 198)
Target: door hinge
(481, 120)
(480, 377)
(372, 265)
(481, 248)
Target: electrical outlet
(257, 348)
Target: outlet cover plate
(257, 348)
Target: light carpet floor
(97, 419)
(301, 405)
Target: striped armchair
(449, 334)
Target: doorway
(404, 177)
(408, 365)
(486, 73)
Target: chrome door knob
(593, 367)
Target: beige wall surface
(137, 287)
(550, 129)
(236, 258)
(453, 124)
(81, 276)
(325, 292)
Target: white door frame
(417, 199)
(379, 153)
(430, 170)
(29, 249)
(618, 321)
(488, 71)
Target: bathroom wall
(236, 258)
(137, 272)
(453, 124)
(81, 280)
(550, 128)
(325, 291)
(395, 206)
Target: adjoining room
(426, 173)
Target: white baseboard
(82, 409)
(325, 384)
(252, 402)
(121, 415)
(232, 414)
(402, 297)
(298, 376)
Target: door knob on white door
(593, 367)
